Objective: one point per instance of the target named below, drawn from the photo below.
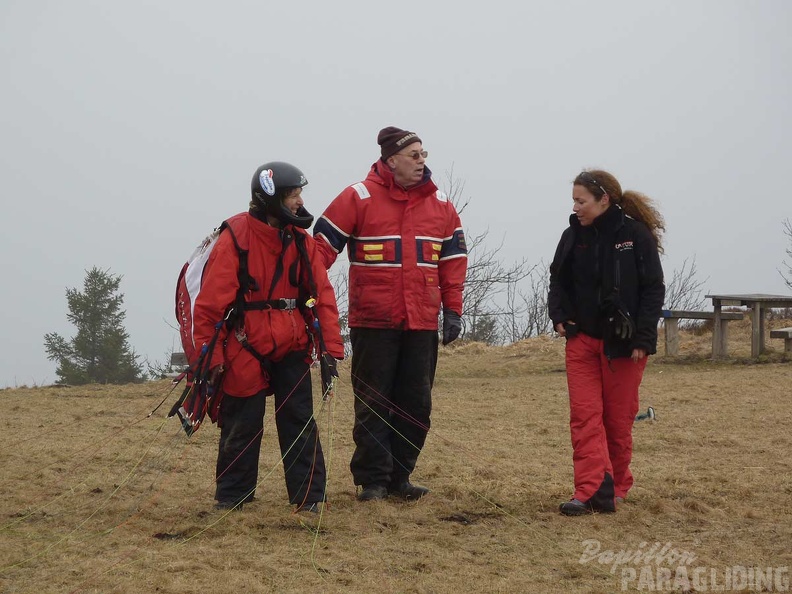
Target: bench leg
(671, 336)
(788, 345)
(724, 335)
(757, 320)
(762, 325)
(718, 328)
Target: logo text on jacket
(624, 246)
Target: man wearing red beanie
(407, 259)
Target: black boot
(575, 508)
(373, 493)
(227, 505)
(406, 490)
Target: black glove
(620, 324)
(329, 371)
(452, 326)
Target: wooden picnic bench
(759, 304)
(671, 319)
(786, 334)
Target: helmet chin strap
(302, 219)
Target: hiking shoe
(408, 491)
(575, 507)
(373, 493)
(226, 505)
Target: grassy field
(99, 497)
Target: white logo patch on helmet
(265, 180)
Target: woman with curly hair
(606, 295)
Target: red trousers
(603, 402)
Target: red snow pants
(603, 402)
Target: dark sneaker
(575, 507)
(226, 505)
(408, 491)
(373, 493)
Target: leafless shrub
(453, 187)
(683, 291)
(487, 276)
(340, 282)
(160, 369)
(526, 314)
(787, 276)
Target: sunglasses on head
(592, 180)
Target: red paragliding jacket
(275, 265)
(406, 251)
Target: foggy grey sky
(127, 132)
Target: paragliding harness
(203, 392)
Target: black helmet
(270, 185)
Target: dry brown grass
(99, 498)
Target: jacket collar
(272, 237)
(381, 174)
(609, 221)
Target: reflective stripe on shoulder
(361, 190)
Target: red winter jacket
(271, 332)
(406, 251)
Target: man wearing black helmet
(408, 260)
(286, 312)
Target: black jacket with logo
(613, 260)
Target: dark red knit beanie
(393, 139)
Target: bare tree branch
(787, 276)
(453, 188)
(683, 291)
(340, 282)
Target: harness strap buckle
(287, 304)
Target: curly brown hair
(636, 205)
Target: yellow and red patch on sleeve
(430, 251)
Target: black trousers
(240, 437)
(392, 376)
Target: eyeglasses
(415, 155)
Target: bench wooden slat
(700, 315)
(786, 334)
(671, 319)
